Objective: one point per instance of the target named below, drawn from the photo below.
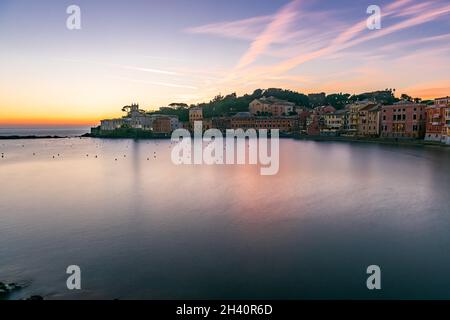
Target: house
(245, 120)
(352, 116)
(135, 118)
(369, 121)
(162, 125)
(334, 123)
(140, 119)
(271, 106)
(403, 119)
(195, 114)
(437, 125)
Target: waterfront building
(334, 123)
(245, 120)
(352, 116)
(316, 120)
(369, 121)
(140, 119)
(302, 121)
(447, 120)
(174, 122)
(135, 118)
(437, 128)
(162, 124)
(404, 119)
(271, 106)
(313, 125)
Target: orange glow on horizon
(64, 122)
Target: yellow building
(352, 116)
(195, 114)
(334, 123)
(369, 121)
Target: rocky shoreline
(6, 289)
(16, 137)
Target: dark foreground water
(148, 229)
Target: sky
(157, 52)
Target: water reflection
(149, 229)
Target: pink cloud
(275, 29)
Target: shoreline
(16, 137)
(402, 142)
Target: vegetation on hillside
(231, 103)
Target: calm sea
(140, 227)
(60, 131)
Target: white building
(136, 119)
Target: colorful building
(369, 121)
(135, 118)
(352, 114)
(334, 123)
(195, 114)
(245, 120)
(438, 121)
(403, 119)
(162, 124)
(271, 106)
(447, 121)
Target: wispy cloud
(246, 29)
(156, 83)
(275, 29)
(353, 35)
(158, 71)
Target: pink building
(403, 120)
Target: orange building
(443, 105)
(436, 129)
(162, 125)
(244, 120)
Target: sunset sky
(156, 52)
